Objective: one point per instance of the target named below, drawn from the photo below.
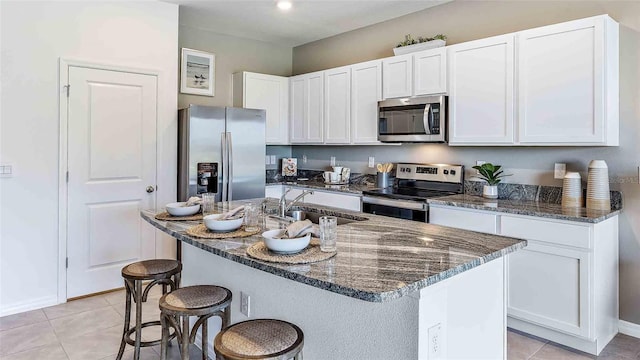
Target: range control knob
(446, 172)
(408, 170)
(453, 172)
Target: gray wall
(233, 54)
(463, 21)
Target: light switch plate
(559, 170)
(273, 159)
(372, 161)
(304, 159)
(267, 160)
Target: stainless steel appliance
(416, 119)
(221, 150)
(414, 184)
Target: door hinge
(68, 89)
(67, 262)
(67, 176)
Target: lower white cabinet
(564, 285)
(325, 198)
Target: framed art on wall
(197, 72)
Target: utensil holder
(383, 179)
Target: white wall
(34, 35)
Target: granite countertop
(525, 207)
(356, 189)
(379, 259)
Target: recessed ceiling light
(284, 4)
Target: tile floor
(90, 329)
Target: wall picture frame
(197, 72)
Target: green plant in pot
(493, 176)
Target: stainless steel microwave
(416, 119)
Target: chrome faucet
(283, 207)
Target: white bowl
(213, 222)
(285, 246)
(178, 209)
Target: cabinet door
(337, 106)
(314, 105)
(297, 111)
(481, 93)
(549, 286)
(366, 91)
(398, 76)
(430, 72)
(561, 86)
(270, 93)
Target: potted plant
(492, 175)
(410, 44)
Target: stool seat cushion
(195, 297)
(262, 337)
(151, 267)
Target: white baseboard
(629, 328)
(28, 305)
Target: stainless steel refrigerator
(221, 150)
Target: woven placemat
(309, 255)
(165, 216)
(201, 231)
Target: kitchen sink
(298, 214)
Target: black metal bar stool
(259, 339)
(158, 272)
(203, 301)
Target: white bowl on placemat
(216, 223)
(178, 209)
(285, 246)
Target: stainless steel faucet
(283, 207)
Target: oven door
(401, 209)
(412, 120)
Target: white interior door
(111, 163)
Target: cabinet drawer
(347, 202)
(547, 231)
(463, 219)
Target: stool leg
(184, 346)
(205, 345)
(165, 337)
(176, 280)
(298, 356)
(138, 295)
(226, 317)
(127, 320)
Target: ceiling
(306, 21)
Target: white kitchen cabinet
(481, 92)
(334, 199)
(568, 83)
(366, 91)
(307, 108)
(430, 72)
(268, 92)
(564, 285)
(337, 105)
(397, 72)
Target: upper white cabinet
(430, 72)
(337, 105)
(481, 96)
(397, 73)
(268, 92)
(366, 91)
(568, 83)
(307, 108)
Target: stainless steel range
(414, 184)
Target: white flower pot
(490, 191)
(419, 47)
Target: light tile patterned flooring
(90, 329)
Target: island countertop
(378, 259)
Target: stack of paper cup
(572, 190)
(598, 196)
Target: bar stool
(259, 339)
(203, 301)
(160, 272)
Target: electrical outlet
(435, 342)
(479, 163)
(245, 304)
(333, 161)
(6, 170)
(267, 160)
(304, 158)
(273, 159)
(559, 170)
(372, 160)
(638, 174)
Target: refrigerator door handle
(230, 166)
(225, 169)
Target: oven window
(404, 120)
(383, 210)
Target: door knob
(150, 189)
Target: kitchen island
(395, 289)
